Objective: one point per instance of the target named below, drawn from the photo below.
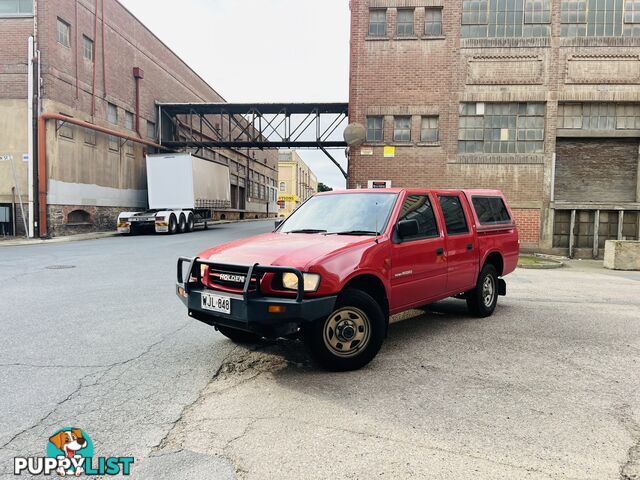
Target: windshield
(344, 213)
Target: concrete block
(622, 255)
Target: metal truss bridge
(253, 125)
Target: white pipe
(30, 133)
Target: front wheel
(239, 336)
(350, 336)
(482, 300)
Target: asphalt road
(546, 388)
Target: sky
(262, 51)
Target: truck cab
(344, 262)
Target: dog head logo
(72, 444)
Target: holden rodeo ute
(343, 262)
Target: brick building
(539, 98)
(90, 58)
(296, 182)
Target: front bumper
(250, 310)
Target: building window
(87, 45)
(65, 129)
(112, 113)
(375, 129)
(506, 18)
(10, 8)
(90, 136)
(63, 32)
(128, 120)
(600, 18)
(114, 143)
(433, 22)
(377, 23)
(404, 23)
(429, 130)
(599, 116)
(283, 186)
(501, 128)
(151, 130)
(402, 129)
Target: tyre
(483, 299)
(351, 336)
(173, 224)
(239, 336)
(182, 225)
(190, 223)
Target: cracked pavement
(547, 388)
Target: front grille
(231, 278)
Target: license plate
(216, 303)
(138, 219)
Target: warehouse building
(96, 63)
(296, 182)
(539, 98)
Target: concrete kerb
(98, 235)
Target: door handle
(440, 252)
(469, 246)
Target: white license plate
(216, 303)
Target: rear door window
(454, 217)
(491, 210)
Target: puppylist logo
(69, 452)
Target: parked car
(343, 262)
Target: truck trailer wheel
(190, 223)
(182, 225)
(173, 224)
(351, 336)
(483, 299)
(239, 336)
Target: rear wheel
(239, 336)
(173, 224)
(482, 300)
(190, 223)
(351, 336)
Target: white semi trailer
(183, 191)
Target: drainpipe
(42, 157)
(138, 74)
(104, 57)
(30, 64)
(95, 42)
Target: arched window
(283, 186)
(78, 217)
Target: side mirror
(278, 223)
(408, 228)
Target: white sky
(262, 51)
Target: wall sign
(379, 183)
(389, 151)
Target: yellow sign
(287, 198)
(389, 151)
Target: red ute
(343, 262)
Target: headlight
(311, 281)
(160, 219)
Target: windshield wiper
(356, 232)
(307, 230)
